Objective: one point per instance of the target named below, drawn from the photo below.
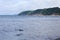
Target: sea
(13, 27)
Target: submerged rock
(19, 34)
(57, 39)
(20, 29)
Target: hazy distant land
(39, 12)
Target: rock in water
(19, 34)
(57, 39)
(20, 29)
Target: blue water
(34, 27)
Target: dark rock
(20, 29)
(57, 39)
(19, 34)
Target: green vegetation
(47, 11)
(25, 13)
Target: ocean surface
(29, 27)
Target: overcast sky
(10, 7)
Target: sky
(13, 7)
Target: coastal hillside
(45, 11)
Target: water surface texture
(29, 27)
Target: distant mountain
(46, 11)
